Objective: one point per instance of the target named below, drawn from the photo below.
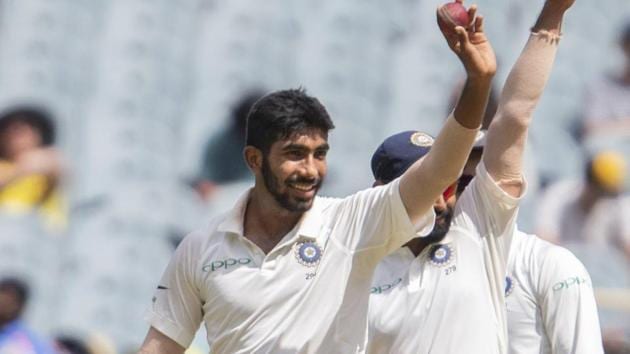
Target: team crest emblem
(441, 255)
(421, 139)
(308, 253)
(509, 286)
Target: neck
(266, 222)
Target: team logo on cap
(509, 286)
(308, 253)
(441, 255)
(421, 139)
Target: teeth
(303, 187)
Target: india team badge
(421, 139)
(307, 253)
(509, 286)
(441, 255)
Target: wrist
(480, 80)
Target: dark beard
(283, 199)
(440, 230)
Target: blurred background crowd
(122, 124)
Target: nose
(308, 167)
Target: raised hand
(472, 47)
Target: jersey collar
(309, 226)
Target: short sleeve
(376, 218)
(486, 211)
(177, 307)
(565, 295)
(484, 206)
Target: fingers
(472, 11)
(479, 24)
(462, 37)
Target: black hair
(241, 108)
(37, 117)
(17, 286)
(281, 114)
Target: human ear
(253, 158)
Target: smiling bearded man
(288, 272)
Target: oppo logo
(225, 264)
(565, 284)
(383, 288)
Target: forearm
(522, 91)
(450, 150)
(425, 180)
(471, 106)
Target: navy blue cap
(398, 152)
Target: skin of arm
(157, 343)
(507, 134)
(426, 179)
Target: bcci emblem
(509, 286)
(307, 253)
(441, 255)
(421, 139)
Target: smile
(303, 187)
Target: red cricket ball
(451, 15)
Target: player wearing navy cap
(288, 272)
(445, 293)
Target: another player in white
(550, 303)
(288, 272)
(444, 293)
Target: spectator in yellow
(593, 211)
(30, 167)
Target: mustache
(304, 180)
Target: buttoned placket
(307, 228)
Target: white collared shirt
(550, 303)
(290, 300)
(449, 299)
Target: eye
(321, 154)
(294, 154)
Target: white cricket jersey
(550, 303)
(308, 295)
(449, 299)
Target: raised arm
(425, 180)
(503, 155)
